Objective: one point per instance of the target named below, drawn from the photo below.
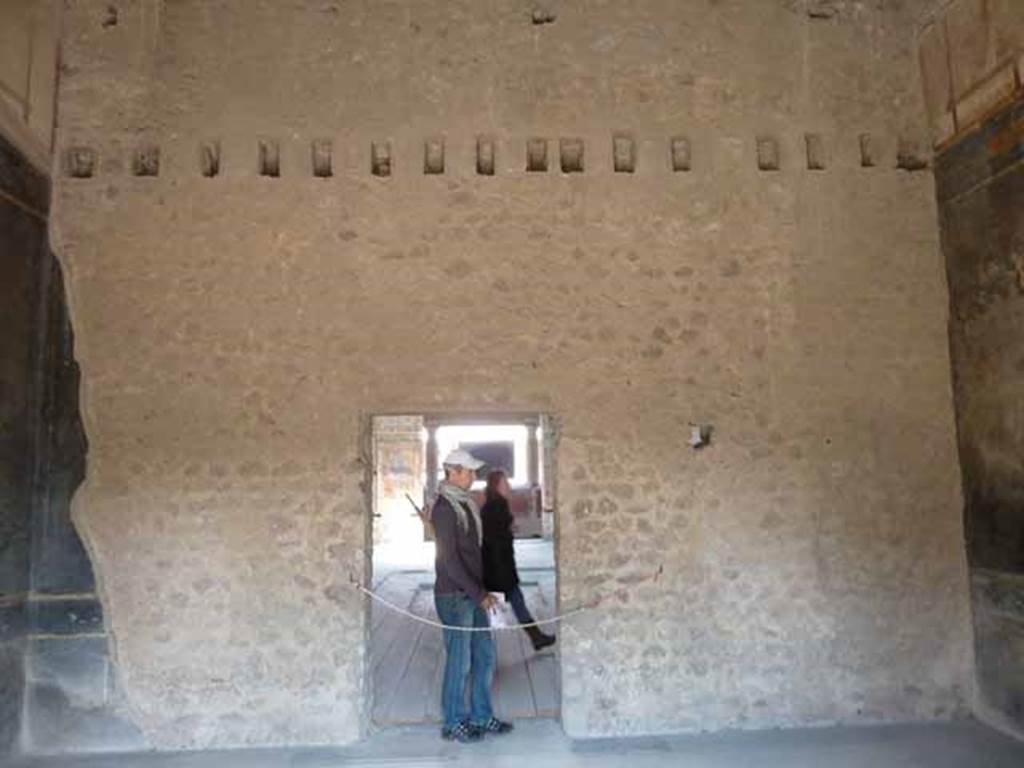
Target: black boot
(538, 638)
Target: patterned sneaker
(463, 732)
(494, 725)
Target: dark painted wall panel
(12, 687)
(21, 240)
(65, 616)
(55, 677)
(20, 180)
(22, 244)
(59, 563)
(981, 209)
(984, 233)
(999, 639)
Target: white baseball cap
(462, 458)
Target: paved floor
(407, 658)
(541, 744)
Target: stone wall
(278, 219)
(29, 33)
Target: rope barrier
(592, 605)
(424, 515)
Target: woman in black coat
(500, 574)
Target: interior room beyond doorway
(407, 657)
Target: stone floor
(407, 659)
(541, 744)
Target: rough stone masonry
(264, 247)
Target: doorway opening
(406, 658)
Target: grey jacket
(459, 566)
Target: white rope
(538, 623)
(431, 623)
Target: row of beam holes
(908, 155)
(81, 161)
(571, 154)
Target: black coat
(458, 565)
(500, 573)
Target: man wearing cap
(462, 601)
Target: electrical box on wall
(700, 436)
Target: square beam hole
(146, 161)
(270, 158)
(867, 151)
(570, 153)
(433, 156)
(380, 158)
(80, 162)
(909, 156)
(209, 159)
(623, 153)
(680, 152)
(815, 147)
(537, 155)
(321, 151)
(485, 156)
(767, 153)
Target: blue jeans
(468, 656)
(518, 603)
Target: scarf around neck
(460, 500)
